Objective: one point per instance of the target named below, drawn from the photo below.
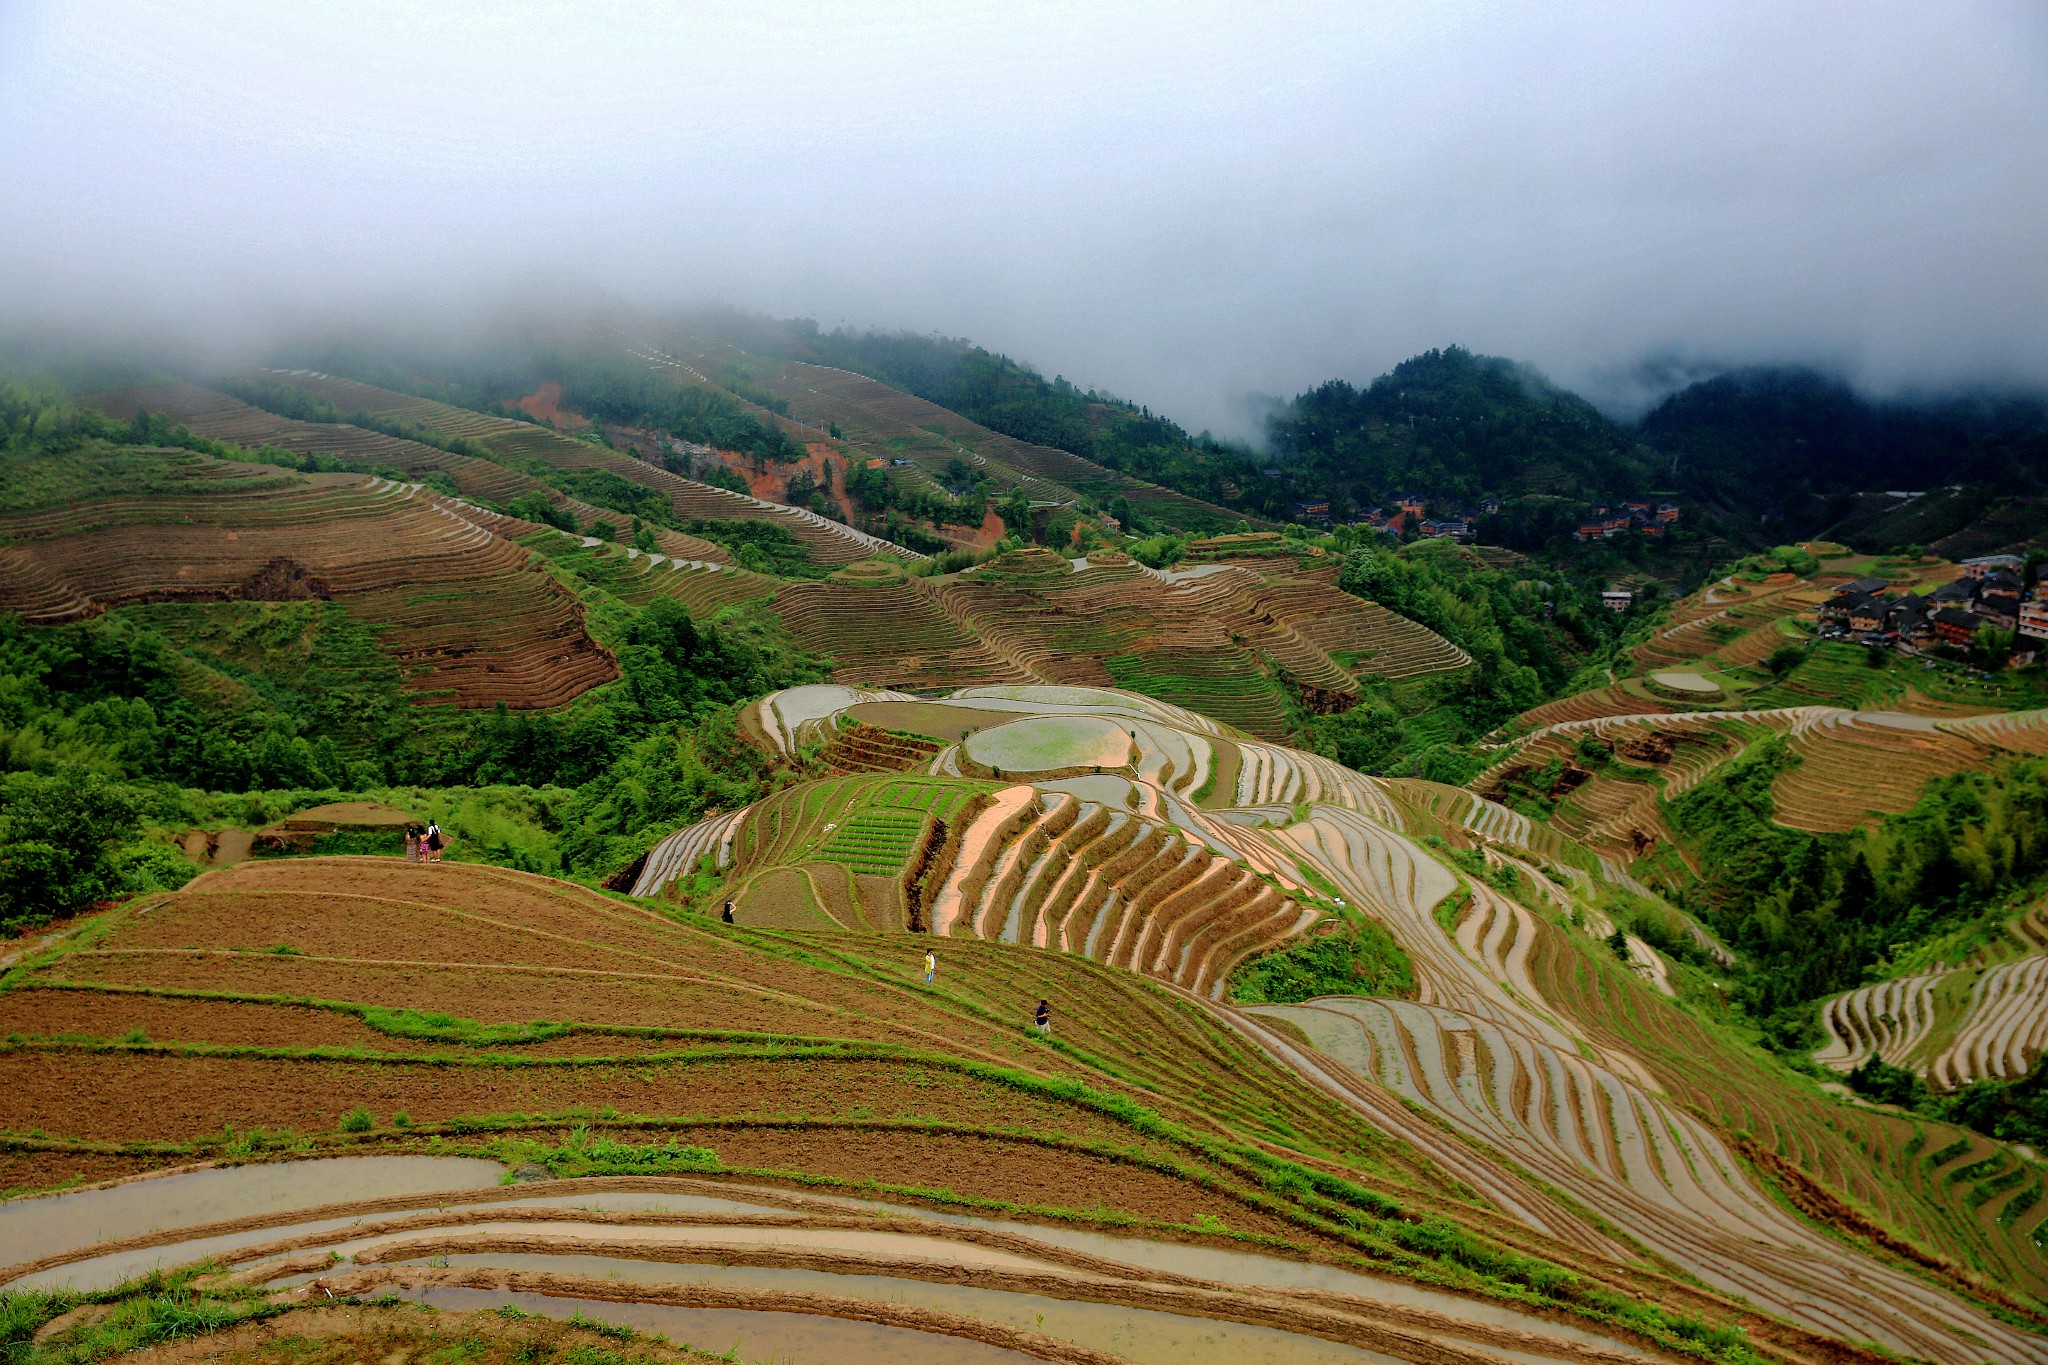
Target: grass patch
(1361, 958)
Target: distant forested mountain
(1799, 439)
(1758, 455)
(1454, 425)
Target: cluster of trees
(761, 546)
(2015, 1110)
(68, 839)
(623, 392)
(1816, 914)
(735, 379)
(318, 709)
(879, 494)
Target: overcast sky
(1186, 203)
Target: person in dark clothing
(1044, 1019)
(727, 916)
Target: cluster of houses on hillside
(1642, 516)
(1990, 592)
(1408, 514)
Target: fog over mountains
(1190, 204)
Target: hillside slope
(497, 1011)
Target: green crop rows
(877, 840)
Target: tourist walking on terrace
(434, 842)
(412, 844)
(727, 916)
(931, 966)
(1044, 1019)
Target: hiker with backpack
(434, 842)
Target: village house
(1618, 599)
(1983, 565)
(1312, 509)
(1667, 512)
(2033, 619)
(1954, 627)
(1998, 595)
(1907, 619)
(1959, 593)
(1866, 615)
(1838, 609)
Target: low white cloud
(1186, 203)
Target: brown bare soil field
(489, 995)
(545, 403)
(176, 1098)
(114, 1015)
(988, 1168)
(463, 610)
(27, 1168)
(397, 1332)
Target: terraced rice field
(890, 632)
(1534, 1079)
(1983, 1019)
(1219, 638)
(1855, 766)
(1727, 616)
(788, 1071)
(885, 420)
(1496, 1048)
(2023, 732)
(224, 418)
(463, 611)
(827, 542)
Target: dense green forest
(1456, 425)
(1797, 442)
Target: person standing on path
(727, 916)
(1044, 1020)
(931, 966)
(434, 842)
(412, 844)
